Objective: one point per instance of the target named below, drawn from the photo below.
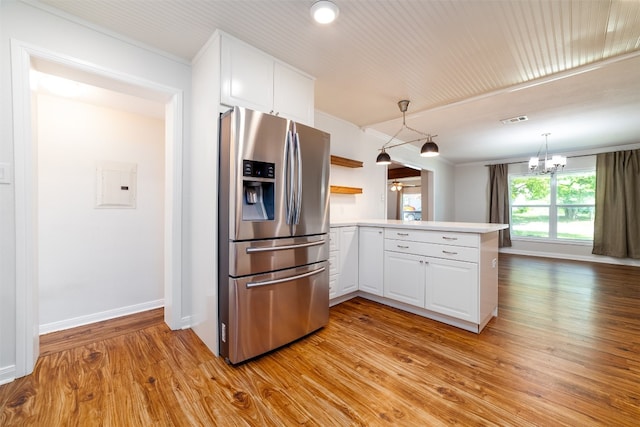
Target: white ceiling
(464, 64)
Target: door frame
(25, 177)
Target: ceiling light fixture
(429, 148)
(396, 186)
(324, 11)
(551, 165)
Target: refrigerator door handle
(288, 172)
(285, 279)
(299, 176)
(284, 247)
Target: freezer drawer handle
(285, 279)
(284, 247)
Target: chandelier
(549, 164)
(429, 148)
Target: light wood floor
(565, 350)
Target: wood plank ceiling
(435, 53)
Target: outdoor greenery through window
(559, 206)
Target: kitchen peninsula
(446, 271)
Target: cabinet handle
(449, 238)
(450, 253)
(421, 262)
(402, 247)
(402, 234)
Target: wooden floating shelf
(343, 161)
(335, 189)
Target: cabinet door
(293, 94)
(371, 260)
(246, 76)
(348, 263)
(333, 287)
(452, 288)
(404, 276)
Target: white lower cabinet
(447, 276)
(371, 260)
(404, 277)
(434, 271)
(452, 288)
(348, 261)
(333, 274)
(343, 261)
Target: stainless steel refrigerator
(273, 232)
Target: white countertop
(462, 227)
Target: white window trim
(553, 211)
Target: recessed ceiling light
(324, 11)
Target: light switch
(5, 173)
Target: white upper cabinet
(293, 94)
(246, 76)
(251, 78)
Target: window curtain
(616, 230)
(499, 200)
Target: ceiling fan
(398, 186)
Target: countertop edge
(461, 227)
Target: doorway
(409, 193)
(23, 58)
(100, 207)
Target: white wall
(442, 177)
(471, 205)
(347, 140)
(102, 50)
(471, 193)
(96, 263)
(203, 217)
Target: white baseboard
(185, 322)
(574, 257)
(99, 317)
(7, 374)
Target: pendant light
(429, 148)
(383, 158)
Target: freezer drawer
(260, 256)
(270, 310)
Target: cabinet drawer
(333, 263)
(455, 239)
(458, 253)
(439, 237)
(406, 246)
(334, 243)
(333, 287)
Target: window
(411, 206)
(559, 207)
